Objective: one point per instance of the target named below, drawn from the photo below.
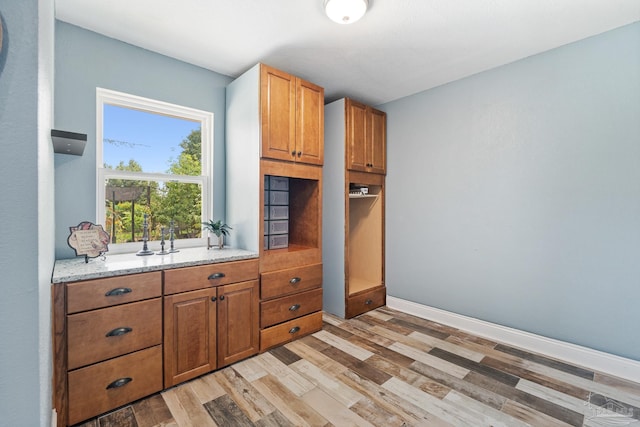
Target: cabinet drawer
(285, 282)
(107, 385)
(289, 331)
(91, 294)
(365, 301)
(205, 276)
(290, 307)
(101, 334)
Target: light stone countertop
(75, 269)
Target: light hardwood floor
(386, 368)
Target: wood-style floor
(386, 368)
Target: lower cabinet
(107, 344)
(213, 326)
(122, 338)
(238, 322)
(190, 342)
(291, 304)
(365, 301)
(208, 329)
(104, 386)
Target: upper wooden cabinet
(292, 117)
(366, 138)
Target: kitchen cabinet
(291, 304)
(107, 344)
(211, 327)
(366, 130)
(118, 339)
(292, 112)
(267, 109)
(353, 221)
(247, 127)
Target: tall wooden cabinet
(275, 129)
(354, 200)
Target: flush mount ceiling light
(345, 11)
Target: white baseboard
(574, 354)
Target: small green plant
(216, 227)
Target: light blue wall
(86, 60)
(513, 196)
(25, 357)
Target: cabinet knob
(120, 382)
(213, 299)
(368, 302)
(295, 280)
(119, 331)
(117, 291)
(216, 276)
(294, 307)
(293, 153)
(299, 153)
(221, 297)
(294, 329)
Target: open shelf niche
(365, 241)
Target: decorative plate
(88, 239)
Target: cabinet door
(278, 113)
(189, 335)
(238, 323)
(377, 141)
(356, 136)
(309, 123)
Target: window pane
(126, 202)
(149, 142)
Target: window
(153, 159)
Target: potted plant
(217, 228)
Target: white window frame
(121, 99)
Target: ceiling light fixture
(345, 11)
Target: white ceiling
(400, 47)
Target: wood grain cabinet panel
(289, 331)
(366, 133)
(210, 275)
(101, 334)
(104, 386)
(287, 308)
(366, 301)
(209, 328)
(286, 282)
(292, 112)
(238, 322)
(190, 345)
(98, 293)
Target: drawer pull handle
(117, 291)
(120, 382)
(294, 329)
(295, 280)
(216, 276)
(294, 307)
(368, 302)
(119, 331)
